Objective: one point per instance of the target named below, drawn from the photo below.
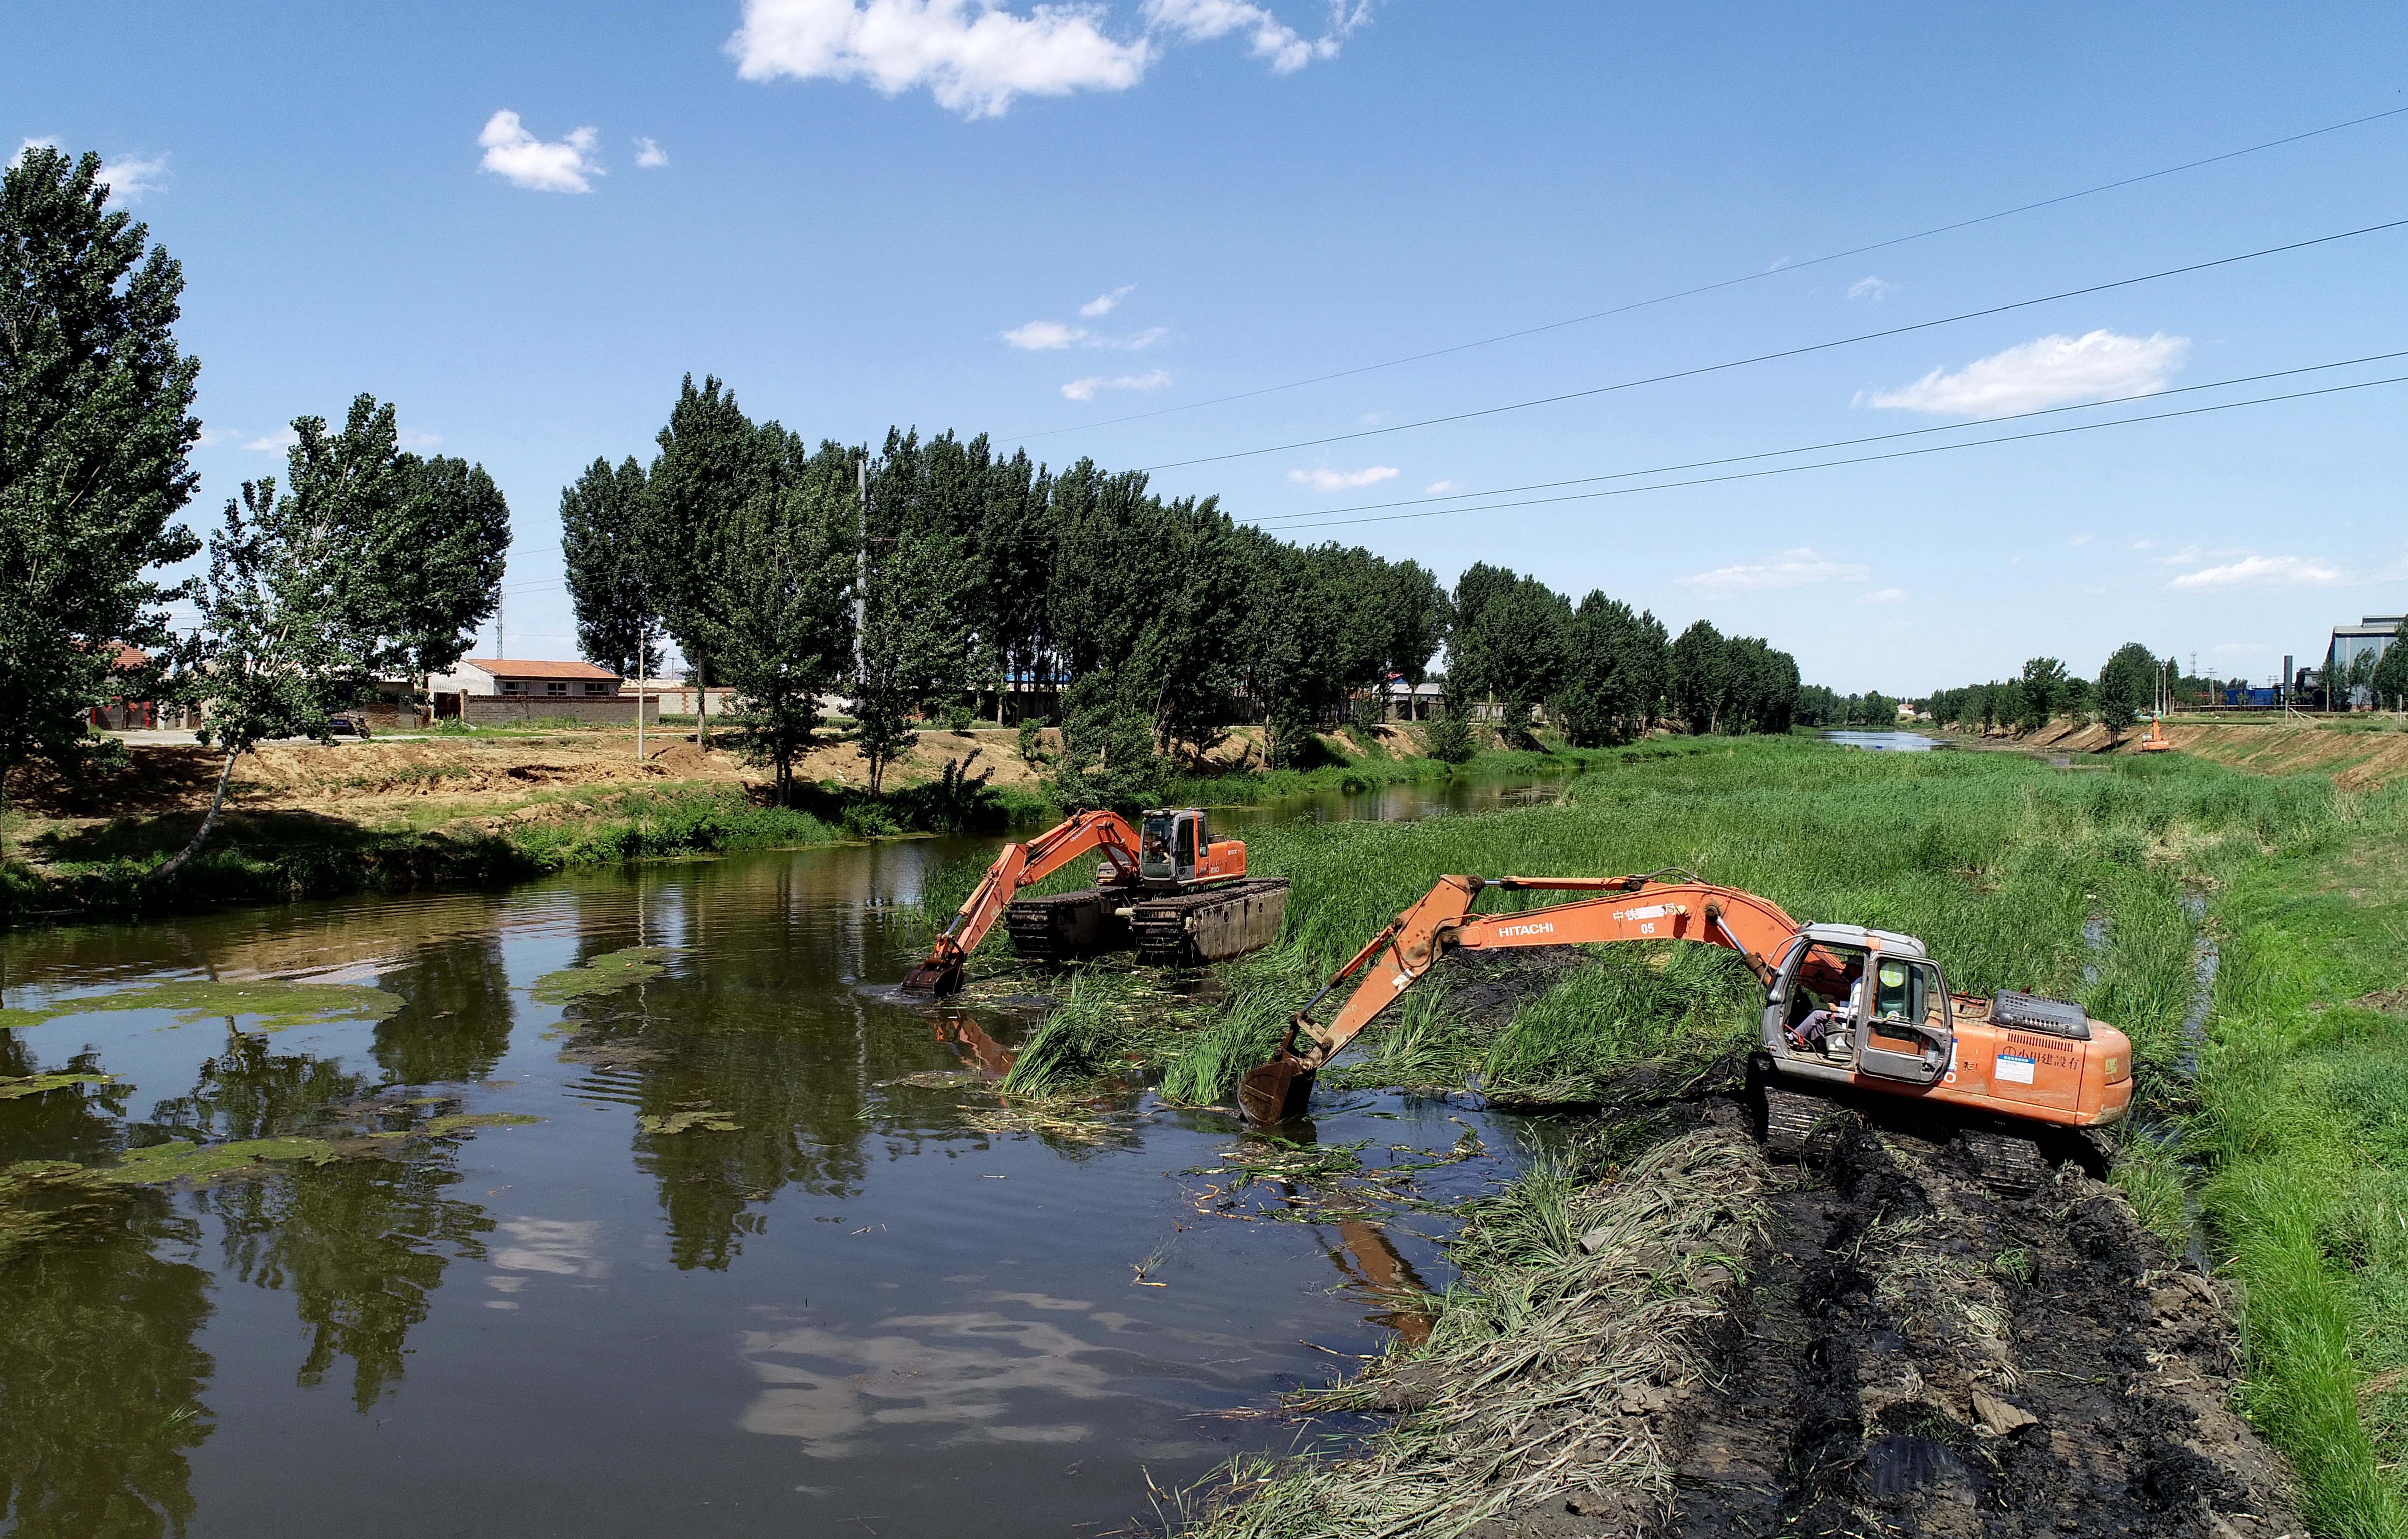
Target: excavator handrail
(1442, 921)
(1018, 865)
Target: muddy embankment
(2363, 753)
(1871, 1343)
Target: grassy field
(2290, 1143)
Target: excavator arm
(1018, 865)
(1639, 908)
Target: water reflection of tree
(100, 1381)
(757, 1021)
(361, 1243)
(77, 1124)
(250, 1090)
(363, 1246)
(456, 1025)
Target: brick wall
(501, 709)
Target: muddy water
(732, 1278)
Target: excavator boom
(1018, 865)
(1638, 908)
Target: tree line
(938, 574)
(2125, 690)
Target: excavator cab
(1171, 845)
(1884, 1007)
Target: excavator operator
(1816, 1025)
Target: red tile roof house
(492, 690)
(122, 714)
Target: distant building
(1406, 702)
(507, 689)
(122, 714)
(2368, 637)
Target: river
(697, 1255)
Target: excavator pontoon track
(1065, 927)
(1212, 926)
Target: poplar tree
(713, 460)
(601, 518)
(785, 577)
(96, 420)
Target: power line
(1710, 288)
(1869, 459)
(1833, 443)
(1783, 353)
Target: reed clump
(1581, 1299)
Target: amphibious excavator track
(1186, 930)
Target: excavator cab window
(1191, 833)
(1897, 993)
(1155, 843)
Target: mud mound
(1919, 1355)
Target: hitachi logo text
(1528, 930)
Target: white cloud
(1104, 304)
(2263, 571)
(1869, 287)
(1044, 336)
(127, 177)
(649, 154)
(973, 58)
(1342, 481)
(275, 443)
(2046, 371)
(2079, 539)
(130, 176)
(522, 160)
(1052, 336)
(1440, 488)
(2143, 544)
(1268, 36)
(421, 440)
(1797, 569)
(1883, 596)
(1084, 390)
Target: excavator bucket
(1276, 1091)
(938, 975)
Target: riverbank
(2285, 1141)
(2361, 753)
(314, 821)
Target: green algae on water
(460, 1122)
(181, 1161)
(271, 1004)
(604, 975)
(35, 1085)
(679, 1122)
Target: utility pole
(643, 645)
(860, 570)
(498, 650)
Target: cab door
(1189, 848)
(1907, 1033)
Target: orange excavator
(1166, 887)
(1848, 1011)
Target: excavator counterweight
(1164, 886)
(1847, 1009)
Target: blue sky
(1026, 220)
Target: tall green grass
(1082, 1039)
